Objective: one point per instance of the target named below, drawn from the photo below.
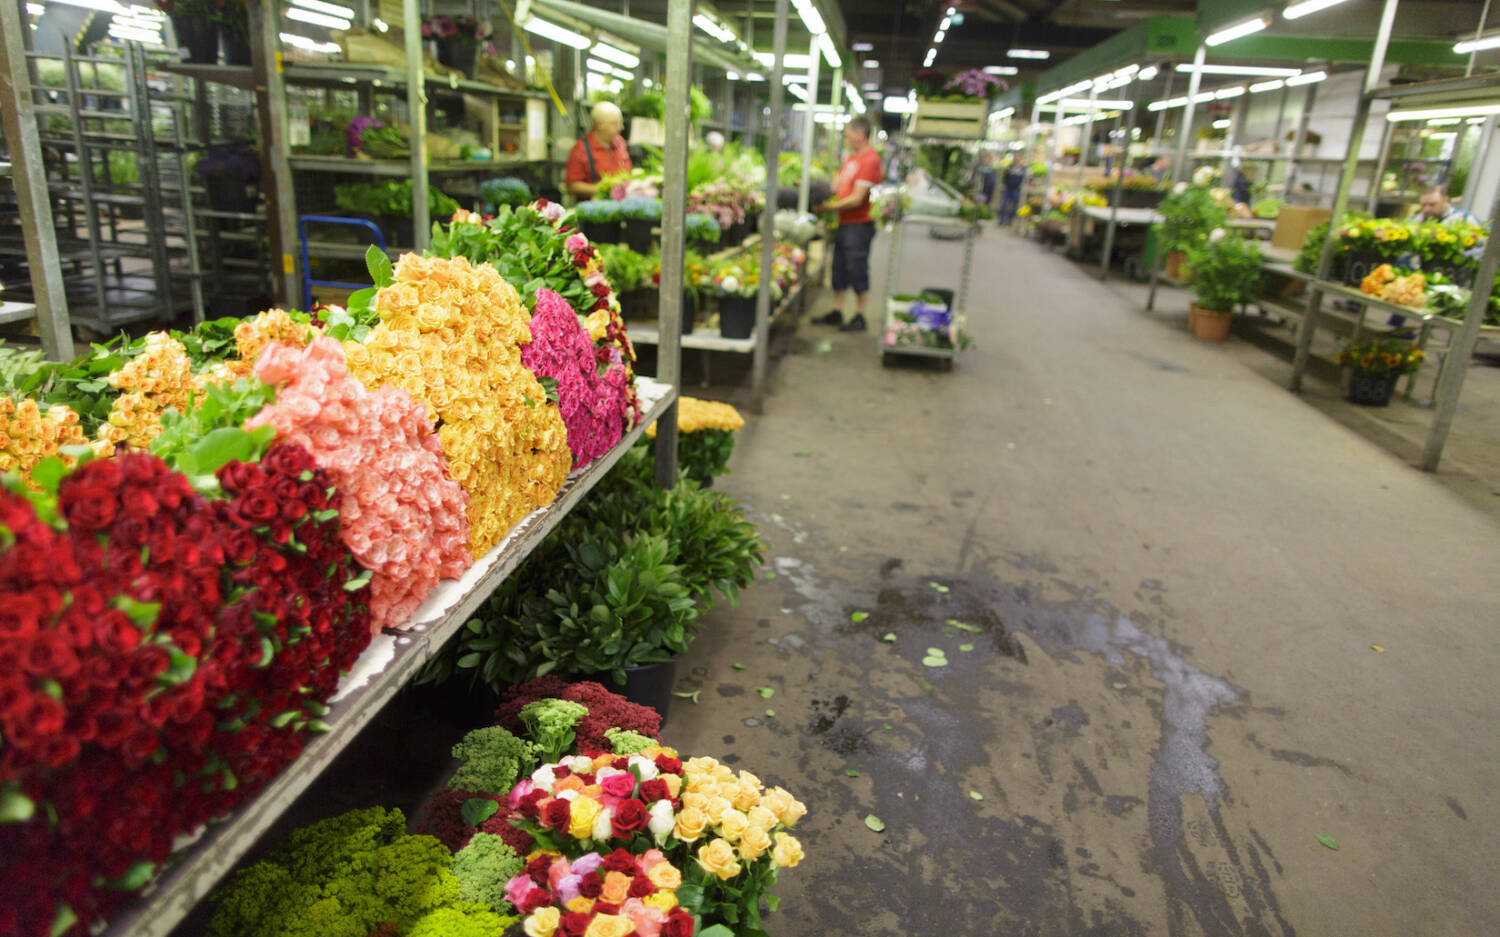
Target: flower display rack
(388, 664)
(963, 120)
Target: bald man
(600, 153)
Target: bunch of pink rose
(591, 403)
(402, 516)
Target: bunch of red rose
(618, 895)
(606, 710)
(160, 658)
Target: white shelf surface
(387, 665)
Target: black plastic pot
(458, 54)
(601, 232)
(235, 41)
(1372, 390)
(639, 235)
(736, 316)
(197, 39)
(227, 193)
(651, 685)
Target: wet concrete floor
(1091, 625)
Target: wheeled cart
(895, 340)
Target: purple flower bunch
(976, 83)
(231, 160)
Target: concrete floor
(1177, 571)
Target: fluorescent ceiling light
(1000, 70)
(1001, 115)
(870, 86)
(604, 68)
(951, 11)
(1224, 93)
(1299, 10)
(1428, 113)
(937, 37)
(1222, 124)
(797, 61)
(830, 54)
(35, 9)
(556, 33)
(1029, 54)
(1260, 86)
(732, 75)
(107, 6)
(385, 27)
(1477, 45)
(1147, 73)
(863, 47)
(811, 18)
(332, 9)
(317, 19)
(874, 95)
(618, 56)
(1165, 104)
(1252, 70)
(870, 63)
(1306, 79)
(1237, 31)
(897, 105)
(707, 24)
(1126, 71)
(797, 91)
(750, 76)
(1098, 104)
(311, 45)
(1446, 121)
(120, 31)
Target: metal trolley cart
(939, 227)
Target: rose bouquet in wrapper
(450, 335)
(401, 515)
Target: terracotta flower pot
(1175, 260)
(1209, 325)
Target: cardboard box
(1293, 223)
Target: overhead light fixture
(830, 54)
(331, 9)
(35, 9)
(557, 33)
(708, 25)
(811, 18)
(937, 37)
(874, 95)
(1307, 78)
(311, 45)
(951, 11)
(1428, 113)
(898, 105)
(1098, 104)
(870, 86)
(1147, 73)
(106, 6)
(797, 91)
(1226, 93)
(1166, 104)
(1001, 70)
(1298, 10)
(749, 76)
(604, 68)
(1001, 115)
(863, 47)
(618, 56)
(1260, 86)
(1222, 124)
(1248, 70)
(1029, 54)
(870, 63)
(732, 75)
(1237, 31)
(1477, 45)
(796, 61)
(317, 19)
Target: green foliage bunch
(626, 269)
(704, 455)
(524, 247)
(1188, 214)
(597, 211)
(343, 877)
(463, 922)
(551, 722)
(483, 867)
(625, 742)
(391, 197)
(1225, 270)
(492, 760)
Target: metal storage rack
(969, 232)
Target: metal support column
(809, 127)
(1299, 140)
(673, 225)
(416, 107)
(1158, 140)
(1341, 200)
(1373, 200)
(276, 169)
(1127, 122)
(768, 216)
(1085, 143)
(1481, 157)
(23, 138)
(1185, 129)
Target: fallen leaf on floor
(934, 661)
(936, 652)
(786, 497)
(966, 647)
(737, 665)
(1328, 841)
(939, 587)
(1378, 648)
(850, 772)
(887, 727)
(961, 625)
(770, 575)
(770, 712)
(802, 453)
(1118, 686)
(889, 637)
(765, 692)
(976, 795)
(777, 518)
(858, 617)
(692, 696)
(1010, 445)
(875, 824)
(927, 688)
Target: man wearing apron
(601, 152)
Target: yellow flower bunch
(694, 415)
(251, 336)
(29, 434)
(736, 817)
(451, 335)
(158, 378)
(1023, 212)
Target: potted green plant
(702, 229)
(389, 205)
(1375, 366)
(599, 219)
(1225, 271)
(641, 218)
(1188, 215)
(736, 281)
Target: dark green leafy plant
(1225, 269)
(652, 104)
(524, 247)
(82, 383)
(391, 198)
(211, 340)
(492, 760)
(715, 547)
(625, 269)
(705, 454)
(1312, 249)
(1188, 214)
(212, 433)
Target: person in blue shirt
(1436, 206)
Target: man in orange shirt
(600, 153)
(851, 246)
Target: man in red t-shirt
(851, 245)
(600, 152)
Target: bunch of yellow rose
(252, 335)
(694, 416)
(736, 818)
(29, 434)
(158, 378)
(451, 335)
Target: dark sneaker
(856, 324)
(833, 318)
